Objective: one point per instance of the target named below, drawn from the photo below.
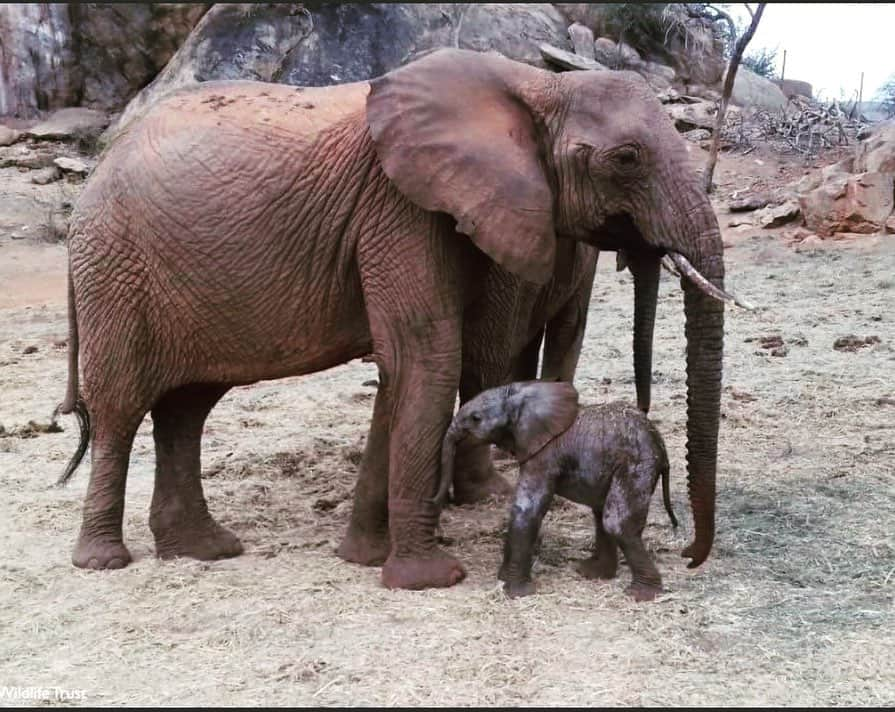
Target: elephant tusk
(669, 265)
(691, 273)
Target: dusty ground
(795, 606)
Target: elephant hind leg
(603, 564)
(366, 542)
(624, 520)
(179, 516)
(100, 543)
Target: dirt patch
(794, 607)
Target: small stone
(748, 203)
(739, 220)
(582, 38)
(567, 60)
(780, 351)
(8, 136)
(884, 400)
(72, 165)
(46, 175)
(811, 242)
(30, 350)
(697, 135)
(373, 383)
(669, 96)
(779, 215)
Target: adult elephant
(242, 231)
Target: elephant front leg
(367, 541)
(423, 372)
(533, 496)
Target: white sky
(829, 44)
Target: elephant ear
(540, 410)
(454, 134)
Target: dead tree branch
(732, 67)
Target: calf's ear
(539, 411)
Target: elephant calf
(608, 457)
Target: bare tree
(732, 66)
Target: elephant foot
(518, 589)
(594, 568)
(208, 543)
(415, 561)
(364, 548)
(642, 592)
(475, 491)
(94, 553)
(440, 570)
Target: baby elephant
(608, 457)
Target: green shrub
(763, 62)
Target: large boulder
(333, 43)
(794, 87)
(876, 152)
(98, 55)
(70, 124)
(687, 117)
(754, 91)
(857, 203)
(857, 193)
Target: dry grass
(795, 606)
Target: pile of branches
(804, 126)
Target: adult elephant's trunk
(645, 268)
(705, 339)
(448, 452)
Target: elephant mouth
(620, 234)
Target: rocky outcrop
(754, 91)
(120, 48)
(688, 46)
(93, 54)
(334, 43)
(856, 195)
(38, 65)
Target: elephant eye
(626, 157)
(475, 418)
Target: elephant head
(520, 418)
(519, 156)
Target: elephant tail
(73, 403)
(664, 471)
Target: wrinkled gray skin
(608, 457)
